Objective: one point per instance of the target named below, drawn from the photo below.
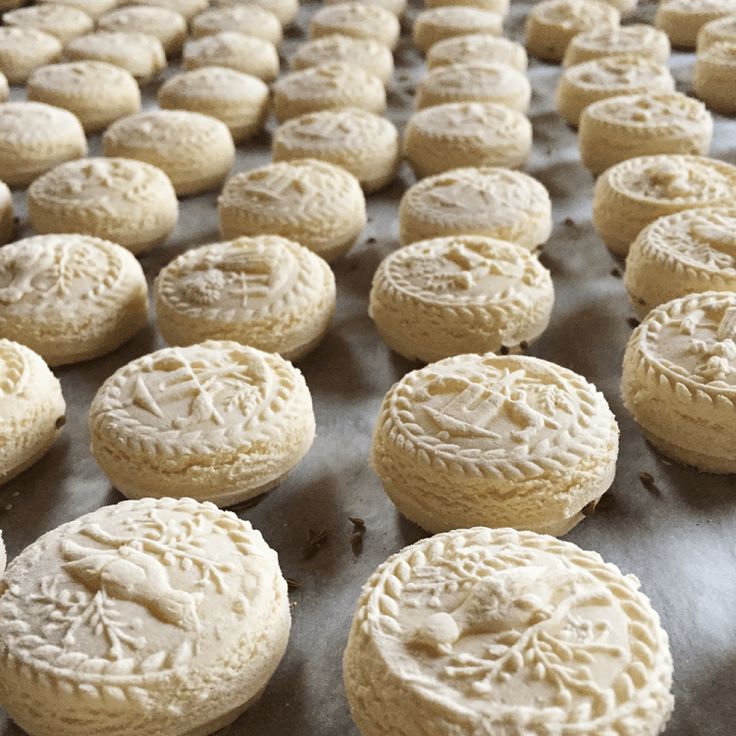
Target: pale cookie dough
(721, 29)
(714, 81)
(139, 53)
(619, 128)
(458, 134)
(168, 26)
(266, 292)
(98, 93)
(496, 202)
(438, 24)
(477, 47)
(397, 7)
(285, 10)
(639, 38)
(314, 203)
(129, 202)
(239, 100)
(31, 413)
(625, 7)
(93, 8)
(495, 441)
(24, 49)
(475, 82)
(681, 20)
(371, 56)
(492, 631)
(552, 24)
(175, 615)
(249, 19)
(630, 195)
(188, 8)
(327, 87)
(358, 20)
(462, 294)
(610, 76)
(496, 6)
(218, 421)
(61, 21)
(70, 297)
(679, 380)
(4, 88)
(34, 138)
(7, 223)
(364, 144)
(233, 50)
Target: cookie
(139, 53)
(98, 93)
(314, 203)
(239, 100)
(4, 88)
(24, 49)
(495, 202)
(188, 8)
(358, 20)
(501, 631)
(552, 24)
(31, 411)
(630, 195)
(251, 20)
(128, 202)
(397, 7)
(713, 80)
(619, 128)
(218, 421)
(477, 47)
(495, 441)
(7, 223)
(34, 138)
(438, 24)
(168, 26)
(266, 292)
(371, 56)
(638, 38)
(362, 143)
(70, 297)
(610, 76)
(681, 20)
(678, 379)
(459, 134)
(462, 294)
(495, 6)
(233, 50)
(175, 613)
(285, 10)
(327, 87)
(720, 29)
(93, 8)
(61, 21)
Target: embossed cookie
(98, 93)
(630, 195)
(70, 297)
(462, 294)
(637, 38)
(679, 379)
(314, 203)
(327, 87)
(618, 128)
(477, 47)
(458, 134)
(358, 20)
(495, 202)
(681, 20)
(7, 223)
(93, 8)
(219, 421)
(61, 21)
(438, 24)
(233, 50)
(362, 143)
(129, 202)
(285, 10)
(187, 8)
(720, 29)
(495, 441)
(713, 80)
(266, 292)
(167, 25)
(175, 615)
(397, 7)
(505, 633)
(24, 49)
(31, 411)
(249, 19)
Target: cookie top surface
(373, 19)
(216, 82)
(575, 15)
(132, 44)
(83, 78)
(476, 78)
(618, 72)
(230, 46)
(157, 21)
(720, 29)
(337, 47)
(459, 17)
(250, 19)
(326, 81)
(28, 42)
(477, 47)
(36, 128)
(18, 375)
(64, 20)
(720, 53)
(618, 39)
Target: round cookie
(70, 297)
(188, 8)
(462, 294)
(7, 221)
(140, 54)
(495, 441)
(505, 633)
(630, 195)
(364, 144)
(681, 20)
(495, 202)
(61, 21)
(24, 49)
(98, 93)
(438, 24)
(610, 76)
(266, 292)
(358, 20)
(720, 29)
(249, 19)
(638, 38)
(168, 26)
(459, 134)
(93, 8)
(233, 50)
(679, 379)
(397, 7)
(285, 10)
(128, 202)
(31, 410)
(495, 6)
(477, 47)
(370, 55)
(713, 80)
(619, 128)
(239, 100)
(327, 87)
(552, 24)
(34, 138)
(218, 421)
(314, 203)
(175, 613)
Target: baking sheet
(681, 542)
